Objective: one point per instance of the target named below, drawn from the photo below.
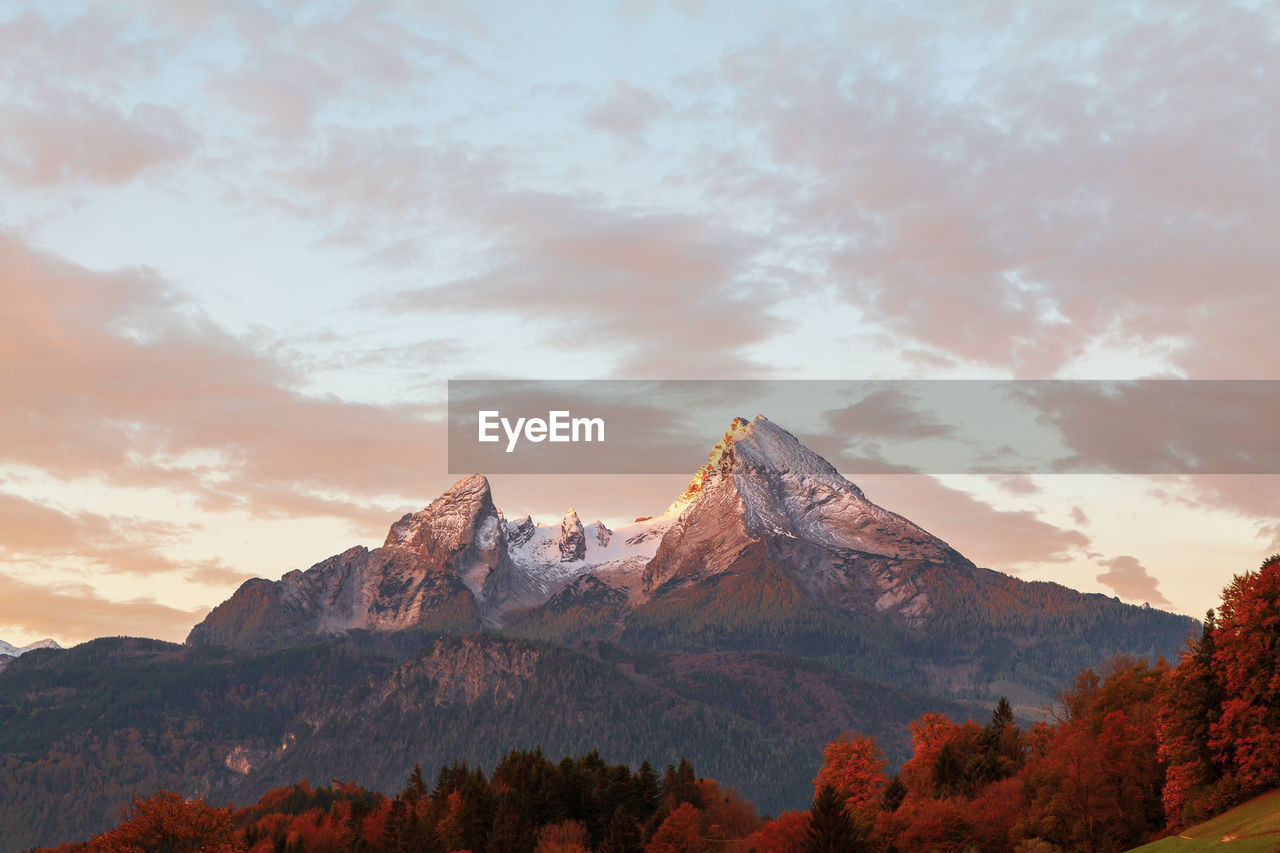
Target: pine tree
(512, 831)
(830, 830)
(648, 790)
(894, 793)
(686, 785)
(394, 830)
(1002, 716)
(623, 834)
(417, 786)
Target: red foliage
(854, 767)
(1245, 739)
(165, 821)
(782, 835)
(679, 833)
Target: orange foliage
(679, 833)
(854, 768)
(782, 835)
(1245, 739)
(165, 821)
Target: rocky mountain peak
(573, 539)
(520, 531)
(761, 482)
(760, 449)
(461, 517)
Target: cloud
(74, 614)
(1162, 427)
(665, 295)
(1254, 497)
(1017, 484)
(36, 532)
(994, 538)
(887, 413)
(79, 140)
(1129, 579)
(216, 573)
(123, 382)
(626, 112)
(1030, 187)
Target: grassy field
(1253, 827)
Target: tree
(166, 823)
(894, 793)
(830, 829)
(679, 833)
(570, 836)
(1245, 739)
(854, 768)
(623, 835)
(684, 785)
(1190, 703)
(786, 834)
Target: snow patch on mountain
(18, 651)
(539, 551)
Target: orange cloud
(1130, 580)
(33, 531)
(75, 614)
(116, 382)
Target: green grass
(1253, 827)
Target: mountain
(9, 653)
(771, 607)
(17, 651)
(768, 548)
(459, 564)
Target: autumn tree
(1190, 703)
(166, 823)
(854, 768)
(679, 833)
(1245, 738)
(784, 834)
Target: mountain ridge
(759, 481)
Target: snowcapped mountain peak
(760, 480)
(19, 651)
(760, 448)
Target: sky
(243, 247)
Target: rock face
(573, 541)
(760, 483)
(429, 574)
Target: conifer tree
(830, 830)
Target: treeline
(528, 804)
